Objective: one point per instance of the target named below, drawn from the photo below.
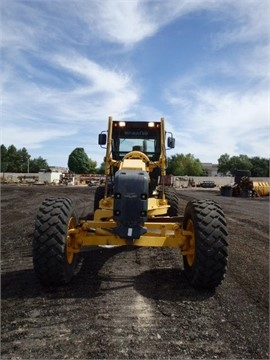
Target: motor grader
(133, 208)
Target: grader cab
(133, 207)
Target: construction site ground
(134, 303)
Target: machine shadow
(158, 284)
(24, 284)
(168, 285)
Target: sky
(67, 65)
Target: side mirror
(171, 142)
(102, 139)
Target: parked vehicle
(208, 184)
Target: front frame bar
(159, 234)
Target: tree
(181, 164)
(78, 161)
(24, 157)
(260, 167)
(4, 159)
(13, 160)
(257, 166)
(92, 166)
(224, 164)
(240, 162)
(101, 169)
(35, 165)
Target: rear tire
(53, 263)
(173, 201)
(206, 264)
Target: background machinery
(244, 186)
(133, 207)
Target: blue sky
(69, 64)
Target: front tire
(205, 262)
(53, 260)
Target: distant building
(58, 169)
(50, 175)
(212, 169)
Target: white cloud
(129, 22)
(219, 122)
(250, 23)
(35, 112)
(26, 25)
(101, 89)
(121, 21)
(31, 138)
(56, 84)
(101, 78)
(223, 105)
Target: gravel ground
(134, 303)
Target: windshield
(143, 138)
(136, 136)
(144, 145)
(123, 146)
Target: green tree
(24, 158)
(92, 166)
(35, 165)
(257, 166)
(224, 164)
(181, 165)
(78, 161)
(14, 161)
(260, 167)
(101, 169)
(240, 162)
(4, 159)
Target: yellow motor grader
(133, 207)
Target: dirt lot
(128, 303)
